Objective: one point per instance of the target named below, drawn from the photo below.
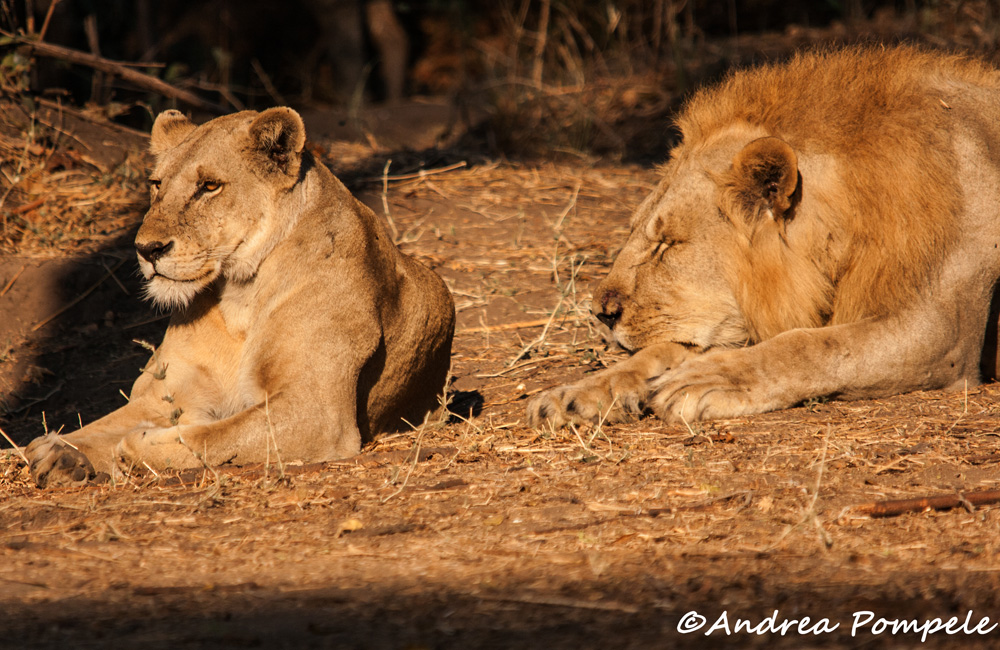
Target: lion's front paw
(54, 463)
(706, 388)
(610, 396)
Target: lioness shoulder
(298, 331)
(828, 227)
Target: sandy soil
(478, 532)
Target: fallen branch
(894, 507)
(116, 68)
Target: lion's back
(838, 99)
(886, 121)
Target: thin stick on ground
(809, 516)
(423, 173)
(385, 202)
(115, 278)
(201, 459)
(42, 323)
(569, 207)
(413, 465)
(541, 337)
(811, 512)
(272, 439)
(10, 284)
(895, 507)
(598, 430)
(19, 451)
(684, 419)
(506, 327)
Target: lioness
(828, 227)
(299, 330)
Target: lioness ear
(169, 129)
(764, 177)
(279, 135)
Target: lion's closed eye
(662, 248)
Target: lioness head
(214, 196)
(678, 277)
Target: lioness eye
(210, 186)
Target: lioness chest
(208, 366)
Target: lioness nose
(608, 307)
(153, 250)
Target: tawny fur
(299, 330)
(837, 215)
(869, 109)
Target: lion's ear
(764, 178)
(169, 130)
(279, 135)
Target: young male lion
(828, 227)
(298, 329)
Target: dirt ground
(472, 531)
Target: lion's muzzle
(608, 306)
(154, 250)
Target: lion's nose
(153, 250)
(608, 307)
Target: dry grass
(54, 197)
(487, 518)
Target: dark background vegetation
(582, 69)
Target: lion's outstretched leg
(281, 428)
(611, 395)
(87, 455)
(866, 359)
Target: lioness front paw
(155, 449)
(54, 463)
(610, 396)
(709, 387)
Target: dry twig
(13, 280)
(423, 173)
(18, 449)
(895, 507)
(505, 327)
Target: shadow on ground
(621, 611)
